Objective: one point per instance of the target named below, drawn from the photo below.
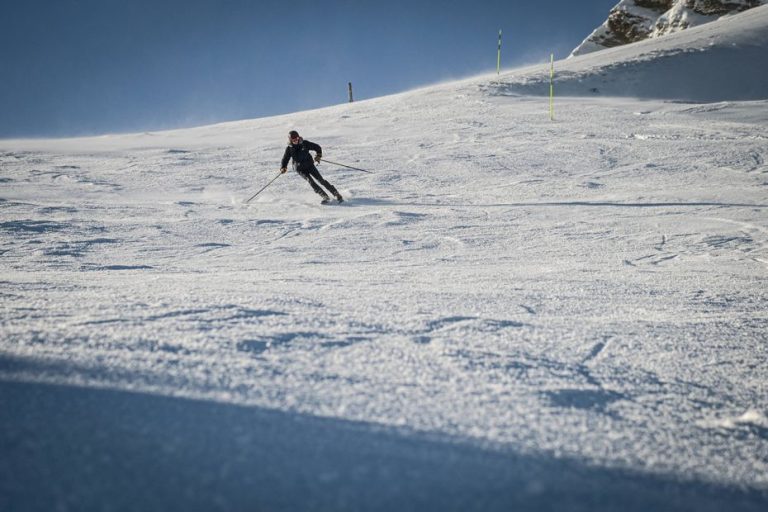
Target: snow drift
(721, 61)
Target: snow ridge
(710, 63)
(631, 21)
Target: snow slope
(722, 60)
(509, 312)
(635, 20)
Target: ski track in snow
(592, 289)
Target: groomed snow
(584, 298)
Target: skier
(298, 149)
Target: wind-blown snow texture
(510, 312)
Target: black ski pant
(312, 172)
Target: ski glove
(318, 157)
(283, 170)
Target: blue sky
(77, 67)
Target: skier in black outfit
(299, 149)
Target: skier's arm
(316, 148)
(286, 157)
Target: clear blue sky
(73, 67)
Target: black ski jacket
(302, 160)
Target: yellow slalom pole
(551, 87)
(498, 56)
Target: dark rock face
(719, 7)
(623, 28)
(660, 5)
(635, 20)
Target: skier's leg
(315, 187)
(316, 174)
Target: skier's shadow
(89, 449)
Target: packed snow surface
(565, 314)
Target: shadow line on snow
(384, 202)
(74, 448)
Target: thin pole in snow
(551, 86)
(263, 188)
(345, 165)
(498, 56)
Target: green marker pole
(551, 87)
(498, 56)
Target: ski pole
(265, 186)
(347, 166)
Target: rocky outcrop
(634, 20)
